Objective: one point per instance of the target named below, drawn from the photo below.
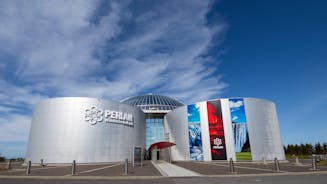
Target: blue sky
(191, 50)
(193, 113)
(277, 50)
(237, 110)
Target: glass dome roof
(153, 103)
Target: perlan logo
(93, 115)
(218, 144)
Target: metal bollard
(297, 162)
(9, 164)
(41, 163)
(231, 165)
(264, 160)
(126, 167)
(314, 163)
(277, 165)
(74, 167)
(28, 169)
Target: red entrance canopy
(161, 145)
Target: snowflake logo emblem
(93, 115)
(218, 144)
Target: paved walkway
(167, 169)
(161, 169)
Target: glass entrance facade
(155, 108)
(154, 131)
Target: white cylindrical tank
(84, 129)
(264, 132)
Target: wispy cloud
(235, 104)
(235, 118)
(105, 49)
(16, 129)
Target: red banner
(216, 131)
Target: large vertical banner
(216, 130)
(194, 130)
(240, 130)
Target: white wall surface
(175, 123)
(228, 130)
(205, 131)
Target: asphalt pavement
(208, 172)
(298, 179)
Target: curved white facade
(84, 129)
(92, 130)
(262, 130)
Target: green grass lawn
(289, 157)
(244, 156)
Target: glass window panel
(154, 131)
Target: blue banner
(194, 130)
(240, 130)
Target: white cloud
(19, 96)
(54, 40)
(234, 118)
(56, 44)
(14, 128)
(236, 104)
(71, 48)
